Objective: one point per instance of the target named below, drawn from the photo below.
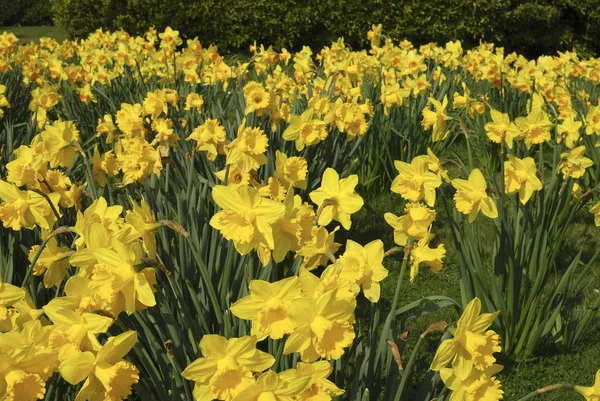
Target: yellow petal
(117, 347)
(78, 367)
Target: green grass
(26, 34)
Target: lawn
(27, 34)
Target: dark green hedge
(25, 12)
(531, 27)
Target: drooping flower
(423, 253)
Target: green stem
(409, 366)
(392, 314)
(468, 141)
(565, 386)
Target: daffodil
(317, 251)
(106, 373)
(363, 266)
(472, 346)
(53, 262)
(28, 168)
(249, 148)
(319, 387)
(436, 119)
(501, 128)
(74, 332)
(193, 101)
(26, 208)
(331, 279)
(337, 199)
(568, 132)
(129, 120)
(323, 327)
(267, 307)
(246, 217)
(471, 196)
(592, 120)
(415, 223)
(273, 387)
(520, 176)
(415, 181)
(595, 210)
(137, 160)
(226, 367)
(573, 164)
(24, 371)
(210, 137)
(257, 99)
(291, 170)
(423, 253)
(59, 138)
(304, 130)
(435, 166)
(9, 295)
(479, 385)
(142, 220)
(535, 128)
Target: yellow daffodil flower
(415, 181)
(267, 307)
(520, 176)
(226, 367)
(336, 198)
(106, 373)
(472, 346)
(573, 164)
(471, 196)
